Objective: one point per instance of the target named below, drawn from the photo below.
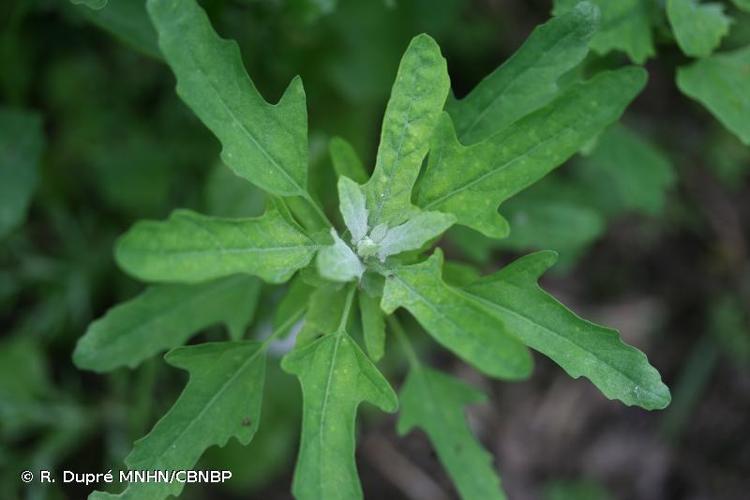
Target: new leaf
(221, 400)
(190, 247)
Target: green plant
(517, 125)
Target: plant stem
(347, 309)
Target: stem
(411, 354)
(347, 309)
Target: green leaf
(417, 98)
(581, 348)
(336, 377)
(698, 28)
(338, 262)
(352, 204)
(373, 325)
(742, 4)
(528, 79)
(21, 144)
(327, 305)
(455, 319)
(434, 402)
(190, 247)
(164, 317)
(626, 172)
(222, 400)
(721, 83)
(345, 161)
(625, 26)
(414, 233)
(470, 182)
(264, 143)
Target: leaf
(742, 4)
(222, 400)
(338, 262)
(21, 144)
(353, 210)
(528, 79)
(626, 172)
(417, 98)
(345, 161)
(721, 83)
(336, 377)
(373, 325)
(455, 319)
(470, 182)
(625, 26)
(164, 317)
(128, 21)
(618, 370)
(327, 305)
(698, 27)
(434, 402)
(264, 143)
(414, 233)
(190, 247)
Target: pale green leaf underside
(721, 83)
(471, 181)
(417, 98)
(698, 27)
(353, 207)
(264, 143)
(414, 233)
(21, 144)
(435, 402)
(625, 26)
(221, 400)
(528, 79)
(190, 247)
(373, 325)
(336, 376)
(338, 262)
(163, 317)
(581, 348)
(455, 319)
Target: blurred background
(652, 224)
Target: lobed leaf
(625, 26)
(581, 348)
(529, 78)
(345, 161)
(336, 377)
(721, 83)
(222, 400)
(164, 317)
(414, 233)
(417, 98)
(697, 27)
(21, 144)
(455, 319)
(264, 143)
(190, 247)
(434, 402)
(470, 182)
